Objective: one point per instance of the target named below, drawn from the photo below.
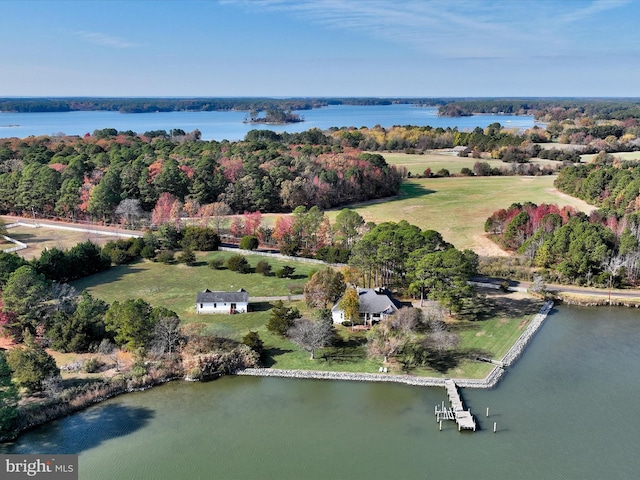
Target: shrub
(285, 272)
(249, 242)
(263, 267)
(121, 257)
(216, 263)
(200, 238)
(148, 252)
(165, 256)
(238, 263)
(253, 341)
(92, 365)
(187, 256)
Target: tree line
(151, 105)
(546, 109)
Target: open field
(620, 155)
(175, 286)
(458, 207)
(438, 159)
(40, 238)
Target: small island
(273, 116)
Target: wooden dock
(456, 412)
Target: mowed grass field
(457, 207)
(439, 159)
(175, 286)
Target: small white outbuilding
(208, 301)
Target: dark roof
(376, 300)
(223, 297)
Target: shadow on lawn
(269, 356)
(411, 190)
(509, 307)
(343, 355)
(260, 306)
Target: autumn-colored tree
(252, 221)
(324, 288)
(164, 209)
(216, 213)
(350, 304)
(237, 227)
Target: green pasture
(437, 160)
(457, 207)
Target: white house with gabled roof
(209, 301)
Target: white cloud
(450, 28)
(105, 40)
(596, 7)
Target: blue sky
(425, 48)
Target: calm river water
(229, 126)
(566, 410)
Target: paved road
(568, 289)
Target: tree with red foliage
(162, 212)
(237, 227)
(252, 222)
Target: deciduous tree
(324, 288)
(310, 335)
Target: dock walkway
(457, 412)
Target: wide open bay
(566, 410)
(229, 126)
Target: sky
(316, 48)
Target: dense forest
(110, 175)
(609, 183)
(90, 177)
(600, 249)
